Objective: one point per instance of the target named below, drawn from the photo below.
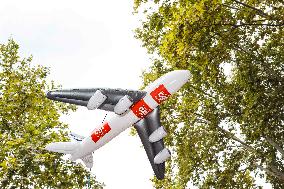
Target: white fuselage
(157, 92)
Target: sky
(87, 44)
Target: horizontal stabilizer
(63, 147)
(76, 137)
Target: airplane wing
(83, 96)
(145, 128)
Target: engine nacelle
(158, 134)
(123, 105)
(162, 156)
(96, 100)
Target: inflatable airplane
(138, 108)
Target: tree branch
(251, 24)
(278, 174)
(243, 50)
(251, 7)
(246, 24)
(275, 145)
(230, 7)
(232, 136)
(272, 171)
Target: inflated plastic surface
(143, 113)
(162, 156)
(82, 96)
(145, 128)
(123, 105)
(96, 100)
(158, 134)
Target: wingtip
(48, 94)
(160, 177)
(52, 95)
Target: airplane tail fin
(88, 160)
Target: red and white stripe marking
(100, 132)
(160, 94)
(140, 109)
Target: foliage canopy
(227, 124)
(28, 122)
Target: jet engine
(158, 134)
(123, 105)
(96, 100)
(162, 156)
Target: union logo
(160, 94)
(100, 132)
(141, 109)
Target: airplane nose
(186, 74)
(183, 75)
(176, 79)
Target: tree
(226, 128)
(28, 122)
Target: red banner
(141, 109)
(100, 132)
(160, 94)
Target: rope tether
(104, 118)
(89, 177)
